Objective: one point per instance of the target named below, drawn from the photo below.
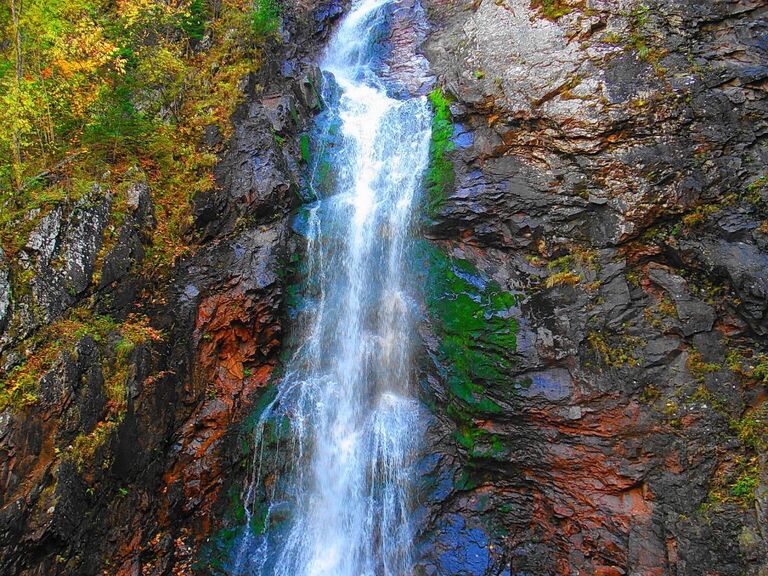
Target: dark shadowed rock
(746, 268)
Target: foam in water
(337, 492)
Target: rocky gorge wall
(608, 177)
(124, 391)
(596, 308)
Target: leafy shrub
(116, 124)
(265, 19)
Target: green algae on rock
(440, 174)
(478, 335)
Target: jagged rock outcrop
(610, 174)
(114, 457)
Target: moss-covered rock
(472, 317)
(440, 174)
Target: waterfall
(333, 497)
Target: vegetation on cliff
(440, 174)
(472, 317)
(61, 337)
(96, 96)
(552, 9)
(90, 90)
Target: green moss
(698, 368)
(325, 176)
(569, 269)
(260, 518)
(465, 481)
(265, 19)
(477, 336)
(478, 442)
(306, 154)
(563, 279)
(752, 429)
(440, 174)
(21, 283)
(760, 370)
(621, 352)
(735, 484)
(552, 9)
(254, 417)
(217, 551)
(745, 485)
(478, 339)
(754, 193)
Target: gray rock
(583, 142)
(746, 267)
(617, 297)
(279, 110)
(260, 258)
(737, 226)
(309, 88)
(127, 252)
(83, 238)
(212, 137)
(132, 236)
(695, 315)
(43, 239)
(553, 385)
(659, 351)
(404, 65)
(139, 199)
(5, 291)
(252, 178)
(62, 251)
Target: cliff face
(596, 304)
(609, 168)
(127, 389)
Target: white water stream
(335, 496)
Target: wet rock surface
(610, 175)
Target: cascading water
(332, 497)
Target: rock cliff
(596, 307)
(126, 390)
(609, 175)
